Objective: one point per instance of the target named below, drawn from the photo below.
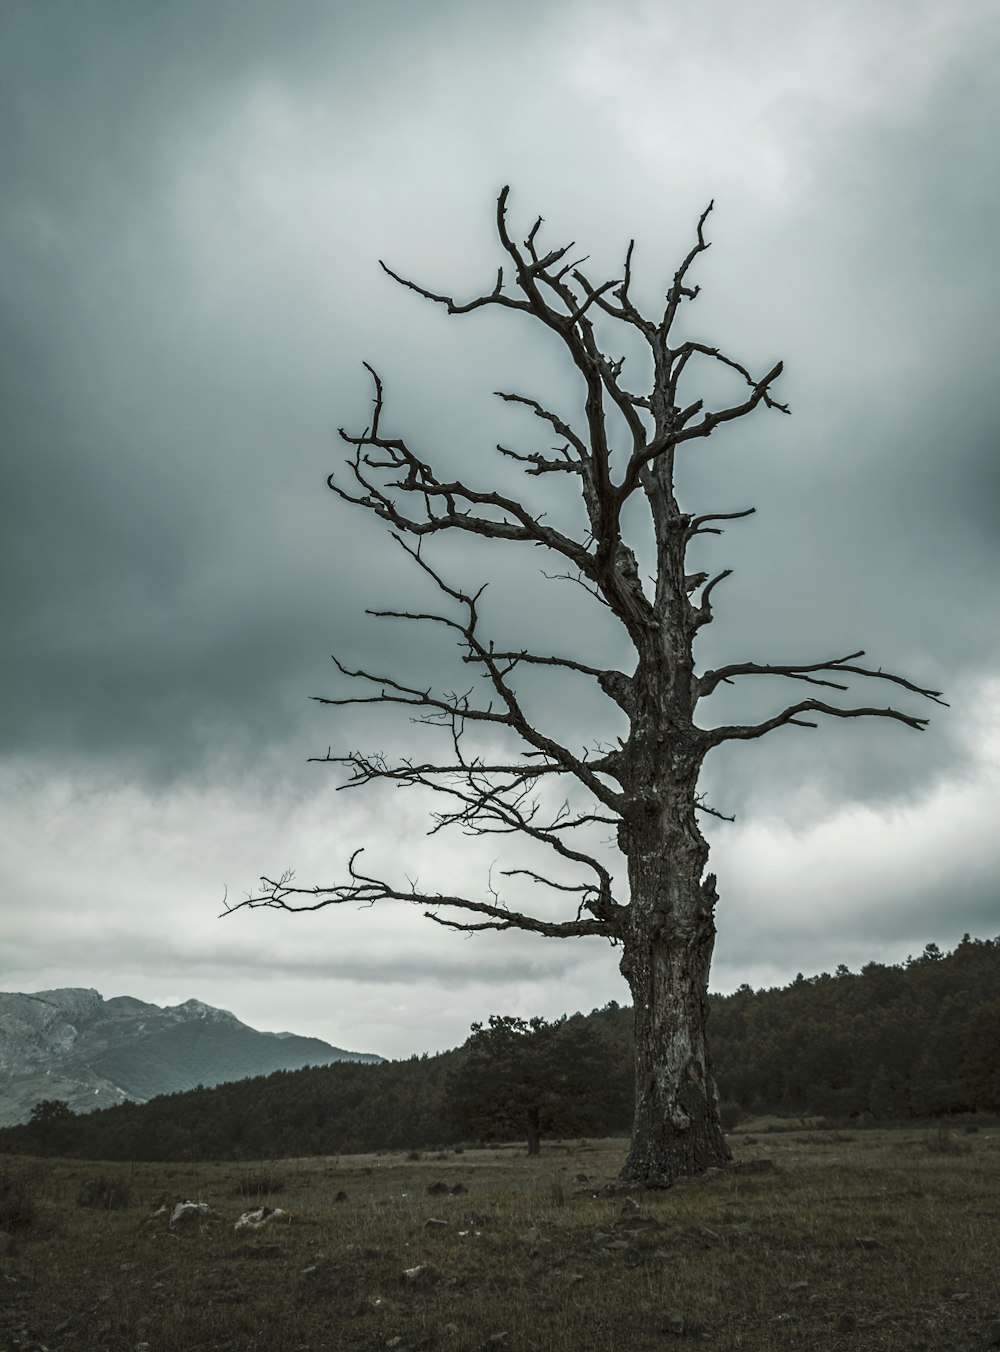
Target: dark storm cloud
(142, 427)
(169, 376)
(176, 572)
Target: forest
(887, 1044)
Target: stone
(189, 1211)
(255, 1220)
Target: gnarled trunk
(666, 960)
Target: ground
(815, 1240)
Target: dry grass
(872, 1242)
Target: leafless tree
(645, 789)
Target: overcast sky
(195, 199)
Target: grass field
(884, 1240)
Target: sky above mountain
(195, 202)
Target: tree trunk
(534, 1131)
(666, 960)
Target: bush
(943, 1143)
(731, 1114)
(258, 1183)
(17, 1203)
(106, 1194)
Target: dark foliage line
(921, 1039)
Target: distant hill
(73, 1045)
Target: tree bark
(666, 960)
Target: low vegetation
(814, 1240)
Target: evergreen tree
(980, 1068)
(532, 1078)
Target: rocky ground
(820, 1241)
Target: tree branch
(703, 612)
(677, 432)
(366, 890)
(792, 716)
(697, 526)
(457, 707)
(447, 504)
(679, 291)
(567, 663)
(803, 672)
(562, 428)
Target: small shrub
(413, 1156)
(556, 1193)
(943, 1143)
(731, 1114)
(17, 1202)
(258, 1183)
(105, 1194)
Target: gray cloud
(195, 202)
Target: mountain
(72, 1044)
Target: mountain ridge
(70, 1043)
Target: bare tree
(645, 788)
